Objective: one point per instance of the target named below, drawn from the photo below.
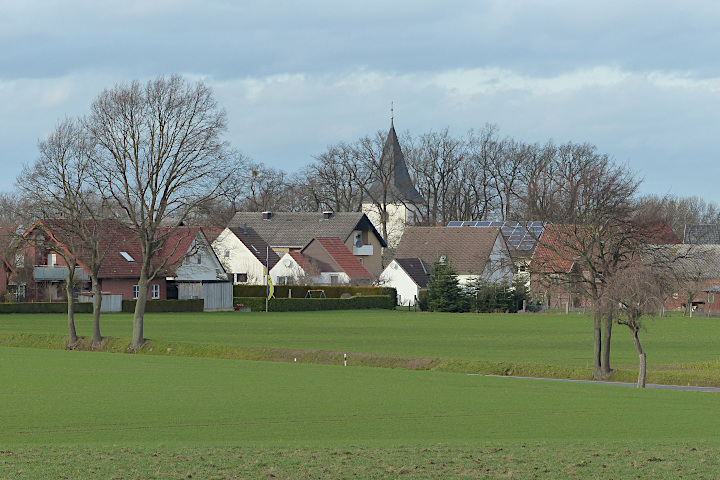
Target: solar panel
(519, 235)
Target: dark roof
(699, 262)
(702, 234)
(522, 236)
(402, 188)
(416, 269)
(341, 255)
(256, 245)
(296, 229)
(467, 249)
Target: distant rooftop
(521, 236)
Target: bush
(299, 291)
(443, 292)
(156, 306)
(44, 307)
(488, 297)
(315, 304)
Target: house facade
(323, 261)
(475, 253)
(244, 254)
(288, 232)
(409, 276)
(189, 266)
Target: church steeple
(401, 185)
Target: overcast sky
(640, 79)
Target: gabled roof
(402, 188)
(553, 253)
(304, 263)
(520, 236)
(467, 249)
(698, 262)
(296, 229)
(561, 245)
(340, 257)
(256, 245)
(121, 247)
(702, 234)
(416, 269)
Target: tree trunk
(69, 283)
(597, 346)
(643, 359)
(138, 319)
(97, 304)
(605, 361)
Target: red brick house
(187, 260)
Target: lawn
(548, 339)
(118, 412)
(75, 414)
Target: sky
(640, 80)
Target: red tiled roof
(304, 263)
(553, 253)
(344, 258)
(121, 248)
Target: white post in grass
(345, 358)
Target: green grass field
(75, 414)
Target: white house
(244, 254)
(408, 276)
(479, 252)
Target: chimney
(327, 215)
(267, 215)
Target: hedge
(314, 304)
(299, 291)
(44, 307)
(156, 306)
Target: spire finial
(392, 113)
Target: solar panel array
(519, 235)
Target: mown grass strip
(704, 374)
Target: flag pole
(267, 276)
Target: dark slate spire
(401, 185)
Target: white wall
(394, 276)
(236, 258)
(207, 269)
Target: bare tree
(159, 152)
(636, 292)
(603, 241)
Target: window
(240, 277)
(199, 259)
(20, 260)
(127, 256)
(227, 253)
(155, 291)
(136, 291)
(334, 279)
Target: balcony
(364, 250)
(55, 273)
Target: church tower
(392, 201)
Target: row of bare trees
(479, 176)
(146, 158)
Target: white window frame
(136, 292)
(155, 288)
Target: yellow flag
(271, 287)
